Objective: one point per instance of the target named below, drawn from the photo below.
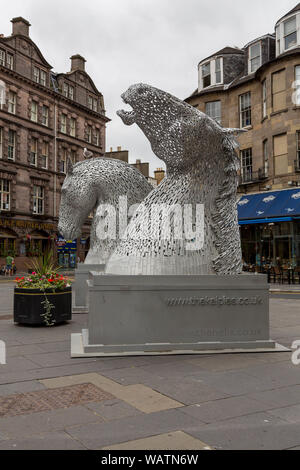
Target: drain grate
(52, 399)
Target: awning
(260, 208)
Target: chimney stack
(77, 62)
(20, 26)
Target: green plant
(45, 276)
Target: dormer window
(206, 78)
(211, 73)
(287, 36)
(254, 57)
(290, 33)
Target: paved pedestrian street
(232, 401)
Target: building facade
(45, 118)
(257, 88)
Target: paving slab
(21, 387)
(260, 431)
(45, 441)
(280, 397)
(35, 423)
(99, 435)
(177, 440)
(113, 409)
(220, 410)
(289, 413)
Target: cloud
(159, 42)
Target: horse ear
(69, 167)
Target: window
(278, 91)
(246, 161)
(4, 195)
(213, 109)
(298, 148)
(44, 155)
(97, 137)
(12, 99)
(63, 124)
(89, 134)
(206, 78)
(43, 78)
(296, 95)
(73, 156)
(2, 57)
(63, 161)
(245, 110)
(9, 61)
(45, 115)
(264, 100)
(254, 57)
(1, 142)
(33, 152)
(36, 74)
(290, 33)
(11, 145)
(95, 104)
(38, 199)
(280, 154)
(218, 70)
(34, 111)
(266, 158)
(73, 127)
(68, 91)
(90, 102)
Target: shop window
(7, 246)
(246, 164)
(213, 110)
(278, 91)
(280, 154)
(245, 110)
(4, 195)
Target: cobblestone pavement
(232, 401)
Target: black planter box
(28, 306)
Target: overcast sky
(159, 42)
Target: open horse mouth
(128, 117)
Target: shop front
(66, 252)
(270, 229)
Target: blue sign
(67, 246)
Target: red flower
(50, 280)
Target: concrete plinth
(81, 288)
(175, 315)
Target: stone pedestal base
(81, 288)
(133, 315)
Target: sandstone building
(45, 117)
(258, 88)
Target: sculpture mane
(87, 185)
(202, 169)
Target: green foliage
(45, 264)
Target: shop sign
(66, 245)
